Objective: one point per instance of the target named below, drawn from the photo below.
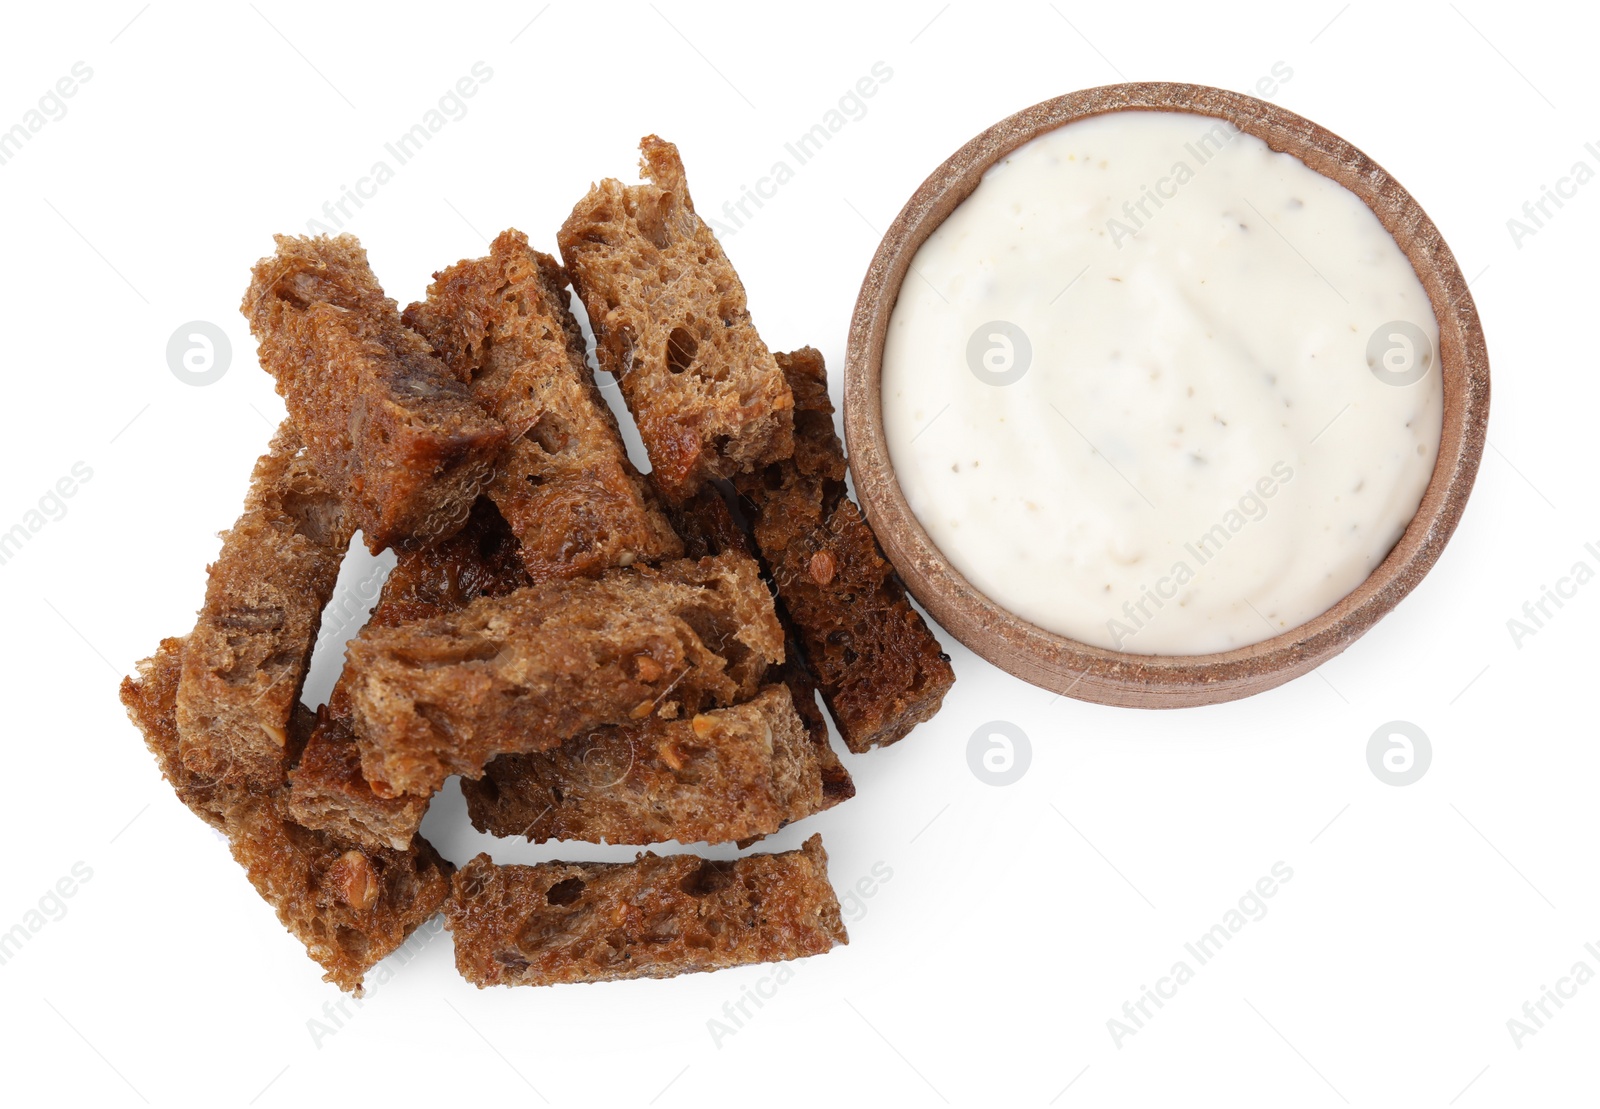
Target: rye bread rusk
(652, 918)
(720, 776)
(150, 696)
(708, 527)
(672, 326)
(348, 904)
(879, 666)
(393, 431)
(503, 323)
(245, 661)
(327, 790)
(524, 672)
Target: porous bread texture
(393, 431)
(327, 790)
(671, 324)
(564, 483)
(349, 905)
(708, 527)
(524, 672)
(150, 697)
(880, 669)
(879, 666)
(245, 662)
(720, 776)
(837, 785)
(653, 918)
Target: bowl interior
(1161, 681)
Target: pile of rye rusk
(602, 656)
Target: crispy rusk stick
(708, 527)
(245, 661)
(151, 698)
(671, 324)
(349, 905)
(880, 669)
(653, 918)
(526, 671)
(393, 431)
(720, 776)
(327, 790)
(564, 484)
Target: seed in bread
(880, 669)
(327, 790)
(671, 325)
(719, 776)
(653, 918)
(565, 485)
(245, 661)
(393, 431)
(350, 905)
(528, 670)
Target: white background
(1018, 919)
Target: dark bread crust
(708, 527)
(524, 672)
(880, 669)
(349, 905)
(720, 776)
(245, 661)
(393, 431)
(653, 918)
(672, 326)
(564, 483)
(327, 790)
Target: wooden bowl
(1165, 681)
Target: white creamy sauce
(1157, 388)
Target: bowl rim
(1097, 674)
